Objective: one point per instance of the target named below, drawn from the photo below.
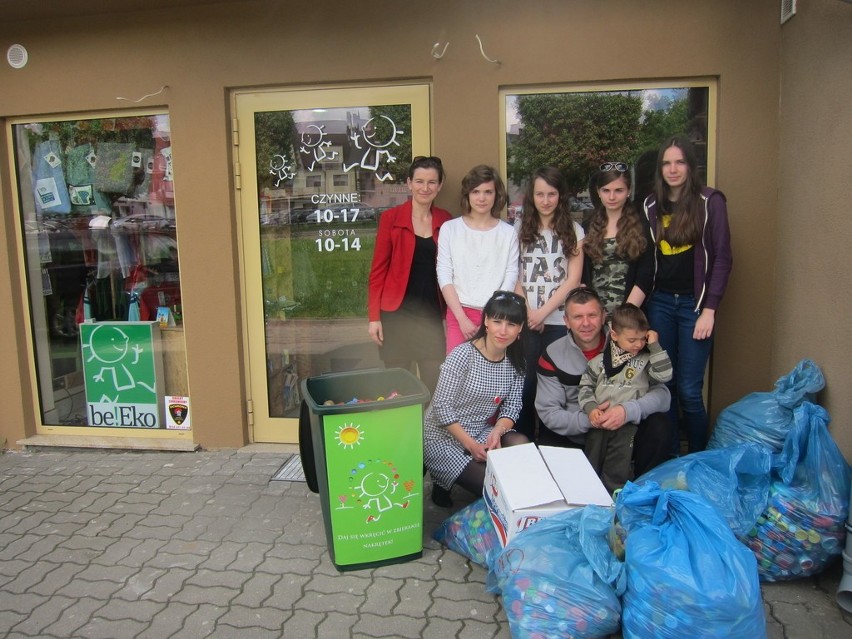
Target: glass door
(316, 168)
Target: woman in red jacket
(405, 303)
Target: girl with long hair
(477, 400)
(619, 250)
(693, 261)
(477, 253)
(551, 262)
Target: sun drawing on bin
(348, 435)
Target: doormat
(291, 470)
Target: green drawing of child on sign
(121, 374)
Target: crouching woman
(477, 400)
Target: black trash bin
(366, 431)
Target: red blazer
(392, 257)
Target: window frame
(42, 392)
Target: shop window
(97, 208)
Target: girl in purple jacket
(689, 226)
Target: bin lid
(363, 390)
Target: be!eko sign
(123, 369)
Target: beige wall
(813, 284)
(81, 63)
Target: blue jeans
(673, 317)
(534, 345)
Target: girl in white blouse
(477, 253)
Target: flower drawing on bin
(375, 485)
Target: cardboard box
(524, 484)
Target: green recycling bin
(367, 435)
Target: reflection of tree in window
(274, 133)
(665, 117)
(576, 132)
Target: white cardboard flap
(524, 478)
(575, 476)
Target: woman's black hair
(505, 305)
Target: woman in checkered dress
(477, 399)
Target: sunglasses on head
(582, 291)
(424, 158)
(621, 167)
(512, 297)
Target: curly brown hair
(630, 237)
(563, 224)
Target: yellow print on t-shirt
(665, 247)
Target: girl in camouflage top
(619, 251)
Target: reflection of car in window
(579, 205)
(367, 213)
(300, 216)
(581, 209)
(515, 212)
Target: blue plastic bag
(767, 417)
(470, 533)
(559, 577)
(802, 528)
(735, 480)
(687, 575)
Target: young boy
(631, 362)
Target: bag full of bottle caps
(802, 529)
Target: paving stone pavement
(153, 545)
